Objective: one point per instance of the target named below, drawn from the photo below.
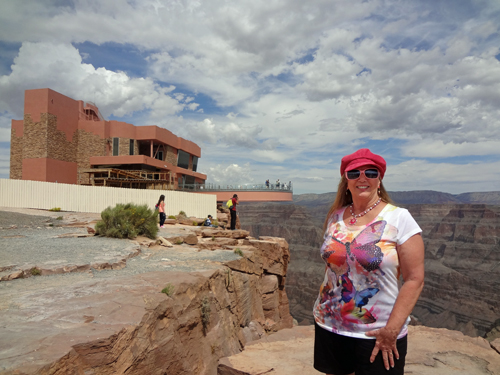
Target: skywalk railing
(242, 187)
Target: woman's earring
(378, 191)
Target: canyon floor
(66, 294)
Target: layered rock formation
(462, 281)
(174, 310)
(304, 236)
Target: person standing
(362, 310)
(161, 209)
(232, 210)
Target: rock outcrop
(431, 351)
(304, 236)
(173, 310)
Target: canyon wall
(462, 281)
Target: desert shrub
(35, 271)
(127, 221)
(215, 223)
(172, 217)
(55, 209)
(195, 224)
(238, 251)
(168, 290)
(182, 213)
(59, 218)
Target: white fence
(47, 195)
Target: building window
(116, 145)
(195, 163)
(131, 149)
(159, 155)
(183, 159)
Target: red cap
(362, 157)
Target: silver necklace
(355, 217)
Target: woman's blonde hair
(344, 198)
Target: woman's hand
(386, 343)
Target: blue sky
(277, 89)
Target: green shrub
(59, 218)
(172, 217)
(238, 251)
(55, 209)
(182, 213)
(195, 224)
(35, 271)
(168, 290)
(127, 221)
(215, 223)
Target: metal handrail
(240, 187)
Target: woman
(362, 311)
(161, 209)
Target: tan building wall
(16, 156)
(124, 146)
(58, 147)
(171, 156)
(88, 145)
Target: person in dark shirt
(232, 210)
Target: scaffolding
(131, 179)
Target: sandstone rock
(191, 239)
(236, 234)
(164, 242)
(13, 276)
(253, 332)
(90, 230)
(177, 240)
(430, 352)
(222, 217)
(440, 351)
(136, 330)
(249, 263)
(273, 256)
(170, 221)
(288, 352)
(495, 344)
(269, 283)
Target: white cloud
(232, 174)
(288, 85)
(60, 67)
(440, 149)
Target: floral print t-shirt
(362, 277)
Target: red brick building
(68, 141)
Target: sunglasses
(356, 173)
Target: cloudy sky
(277, 88)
